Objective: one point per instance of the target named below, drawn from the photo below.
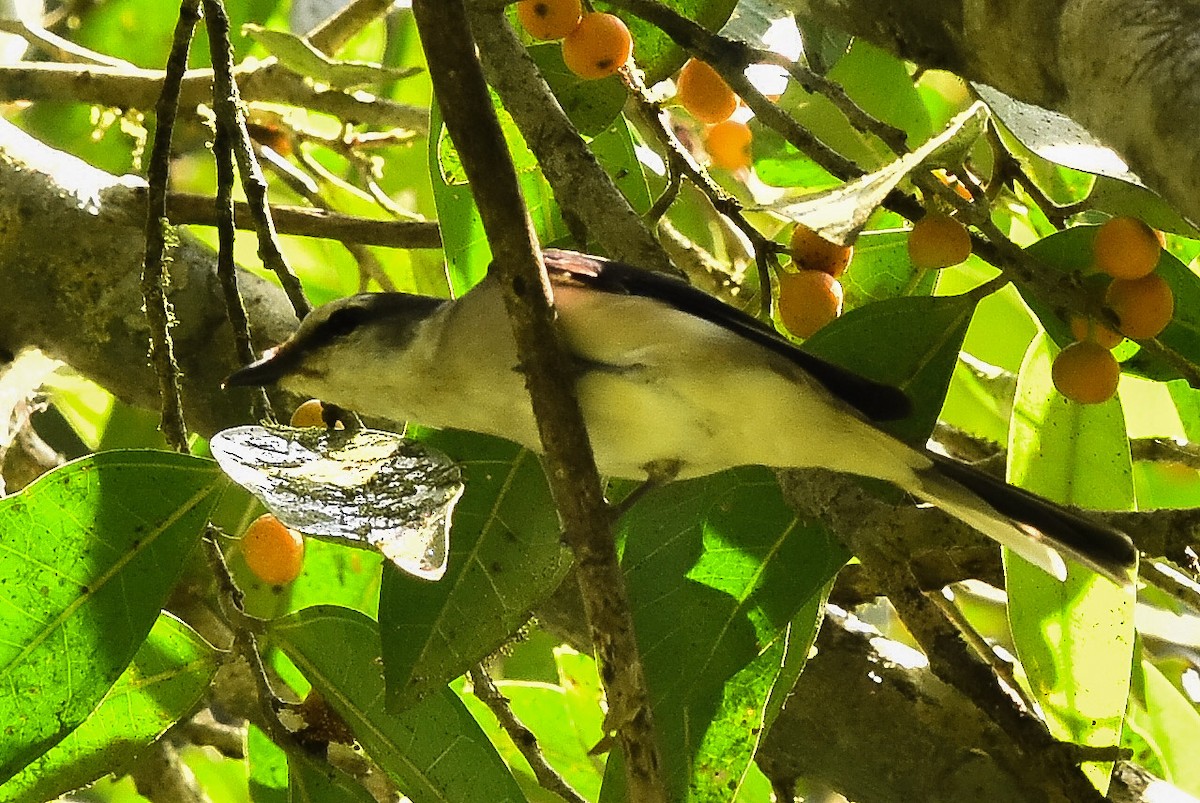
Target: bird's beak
(267, 370)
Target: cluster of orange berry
(811, 295)
(706, 96)
(594, 45)
(1128, 250)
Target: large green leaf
(1168, 722)
(1075, 638)
(434, 751)
(166, 678)
(918, 355)
(88, 555)
(313, 781)
(268, 767)
(505, 556)
(718, 568)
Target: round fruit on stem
(1087, 328)
(704, 93)
(1126, 248)
(728, 145)
(808, 300)
(938, 241)
(309, 414)
(1086, 372)
(598, 47)
(811, 251)
(274, 552)
(549, 19)
(1143, 306)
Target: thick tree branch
(471, 120)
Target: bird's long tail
(1035, 528)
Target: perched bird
(667, 376)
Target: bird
(666, 376)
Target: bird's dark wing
(875, 400)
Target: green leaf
(881, 84)
(88, 555)
(918, 356)
(717, 569)
(882, 269)
(653, 50)
(463, 241)
(1075, 638)
(592, 106)
(163, 683)
(313, 781)
(1167, 720)
(268, 768)
(505, 556)
(298, 55)
(433, 751)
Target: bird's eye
(344, 321)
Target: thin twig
(235, 310)
(227, 104)
(245, 629)
(301, 221)
(266, 82)
(524, 739)
(154, 276)
(337, 30)
(61, 49)
(466, 105)
(979, 644)
(369, 266)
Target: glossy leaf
(433, 751)
(592, 106)
(163, 683)
(1075, 638)
(88, 555)
(505, 556)
(313, 781)
(918, 355)
(1169, 723)
(717, 569)
(268, 768)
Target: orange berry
(704, 93)
(1086, 372)
(1126, 248)
(1143, 306)
(808, 300)
(308, 414)
(728, 144)
(273, 552)
(598, 47)
(811, 251)
(549, 19)
(938, 241)
(1086, 328)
